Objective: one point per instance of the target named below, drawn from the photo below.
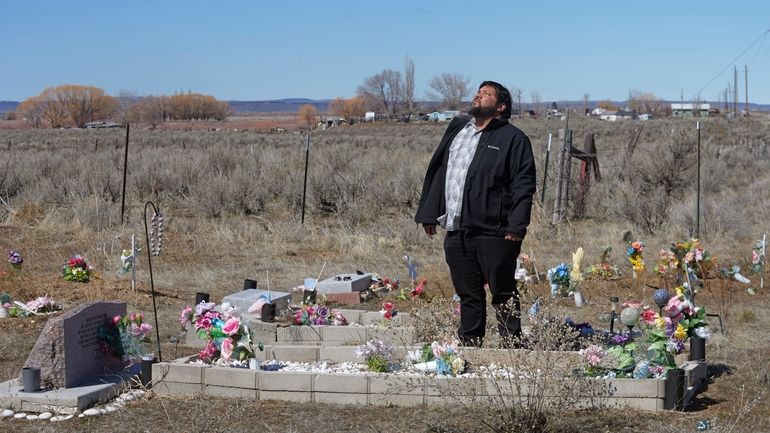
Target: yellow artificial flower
(680, 333)
(680, 291)
(660, 322)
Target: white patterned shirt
(460, 156)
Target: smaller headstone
(345, 283)
(68, 351)
(246, 298)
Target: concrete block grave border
(377, 389)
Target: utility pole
(746, 72)
(735, 91)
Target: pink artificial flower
(208, 352)
(649, 316)
(698, 254)
(677, 307)
(438, 349)
(754, 257)
(632, 304)
(417, 291)
(231, 326)
(227, 348)
(688, 257)
(116, 320)
(184, 317)
(203, 323)
(638, 246)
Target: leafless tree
(586, 97)
(536, 101)
(451, 89)
(409, 84)
(383, 90)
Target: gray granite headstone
(345, 283)
(68, 350)
(246, 298)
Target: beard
(479, 111)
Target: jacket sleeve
(522, 185)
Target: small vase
(3, 312)
(675, 390)
(201, 297)
(30, 379)
(253, 364)
(268, 313)
(146, 372)
(697, 348)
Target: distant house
(102, 124)
(369, 116)
(614, 116)
(690, 110)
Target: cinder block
(174, 372)
(340, 398)
(349, 298)
(344, 334)
(393, 336)
(642, 388)
(352, 316)
(177, 388)
(231, 377)
(380, 384)
(505, 387)
(346, 383)
(451, 387)
(293, 353)
(230, 392)
(295, 397)
(396, 400)
(263, 332)
(286, 381)
(299, 334)
(467, 400)
(375, 317)
(337, 354)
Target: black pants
(477, 259)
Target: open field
(232, 202)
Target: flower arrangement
(604, 270)
(14, 258)
(758, 257)
(228, 337)
(634, 256)
(388, 311)
(125, 336)
(692, 254)
(559, 278)
(77, 269)
(39, 305)
(380, 283)
(126, 262)
(318, 315)
(449, 358)
(376, 354)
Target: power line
(761, 37)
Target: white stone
(110, 408)
(33, 417)
(46, 415)
(129, 397)
(91, 412)
(119, 400)
(20, 415)
(102, 411)
(57, 418)
(7, 413)
(80, 415)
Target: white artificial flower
(703, 332)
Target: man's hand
(430, 229)
(515, 238)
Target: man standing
(479, 187)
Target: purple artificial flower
(322, 311)
(14, 258)
(621, 339)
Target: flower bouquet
(376, 354)
(125, 337)
(14, 258)
(77, 269)
(634, 256)
(449, 358)
(318, 315)
(388, 311)
(692, 254)
(666, 333)
(558, 277)
(604, 270)
(228, 337)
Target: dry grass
(232, 204)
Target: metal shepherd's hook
(154, 242)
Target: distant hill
(290, 105)
(8, 106)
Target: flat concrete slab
(246, 298)
(66, 400)
(345, 283)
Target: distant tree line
(72, 105)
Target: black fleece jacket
(499, 185)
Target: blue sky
(323, 49)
